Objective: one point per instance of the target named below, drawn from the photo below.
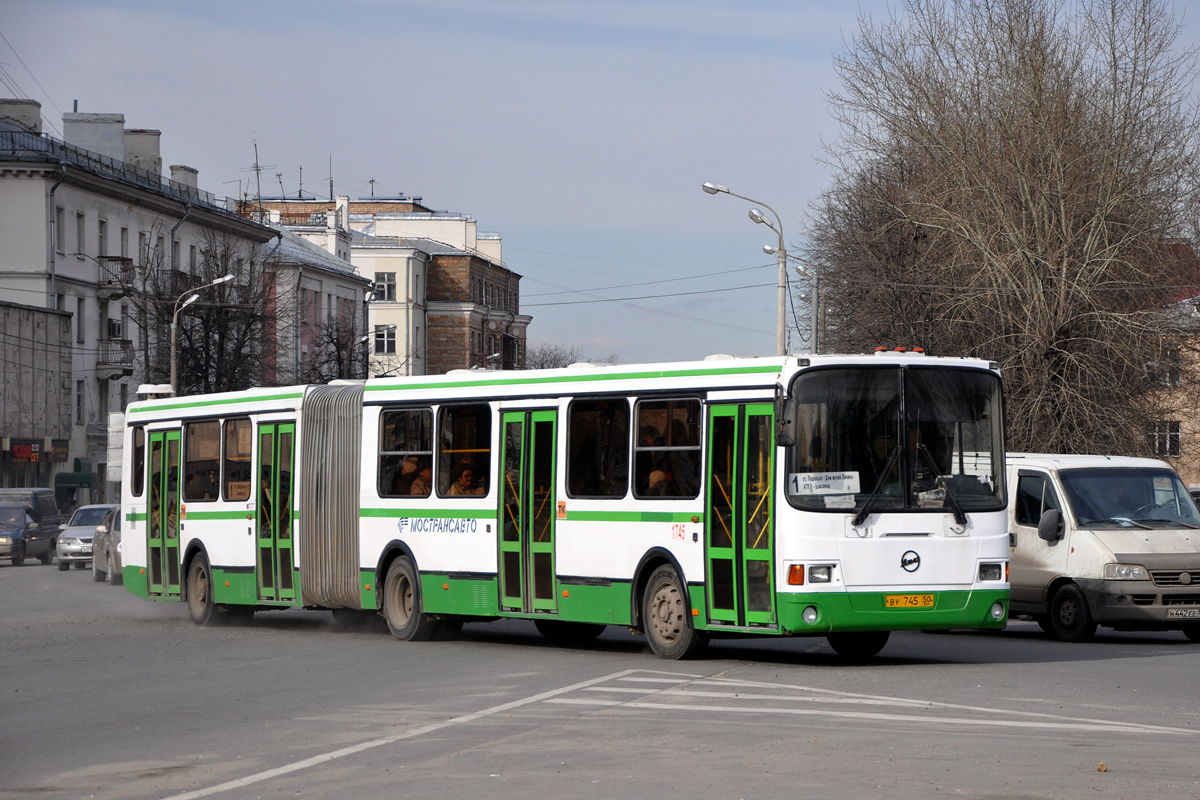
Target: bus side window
(667, 449)
(598, 448)
(201, 460)
(139, 461)
(405, 446)
(464, 445)
(236, 462)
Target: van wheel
(201, 607)
(1192, 633)
(1069, 615)
(666, 617)
(1043, 622)
(18, 556)
(111, 575)
(402, 604)
(97, 575)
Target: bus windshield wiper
(959, 515)
(861, 516)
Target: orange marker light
(226, 584)
(565, 593)
(367, 587)
(445, 586)
(695, 612)
(796, 575)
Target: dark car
(40, 505)
(106, 548)
(21, 536)
(75, 540)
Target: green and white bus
(841, 496)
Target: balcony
(114, 359)
(116, 276)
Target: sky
(580, 132)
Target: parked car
(1102, 540)
(39, 540)
(75, 539)
(106, 548)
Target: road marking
(323, 758)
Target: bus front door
(740, 524)
(276, 576)
(528, 510)
(162, 530)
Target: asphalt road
(104, 695)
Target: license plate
(908, 601)
(85, 549)
(1185, 613)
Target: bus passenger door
(162, 530)
(528, 511)
(740, 523)
(276, 577)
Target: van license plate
(1185, 613)
(908, 601)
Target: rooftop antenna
(257, 170)
(279, 177)
(300, 194)
(331, 177)
(372, 182)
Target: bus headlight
(809, 614)
(820, 574)
(1125, 572)
(990, 572)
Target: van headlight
(1125, 572)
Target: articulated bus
(839, 496)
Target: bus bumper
(867, 611)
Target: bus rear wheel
(666, 617)
(858, 645)
(201, 607)
(402, 604)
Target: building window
(60, 231)
(80, 308)
(123, 391)
(192, 257)
(124, 242)
(102, 238)
(80, 240)
(159, 252)
(1163, 439)
(385, 286)
(143, 253)
(79, 390)
(114, 328)
(174, 254)
(385, 340)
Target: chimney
(188, 176)
(141, 150)
(103, 134)
(342, 211)
(25, 114)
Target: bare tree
(340, 352)
(548, 355)
(1013, 182)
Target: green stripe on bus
(434, 513)
(238, 514)
(630, 516)
(216, 402)
(583, 377)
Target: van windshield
(12, 515)
(1124, 497)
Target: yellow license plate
(908, 601)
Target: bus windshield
(898, 438)
(1103, 497)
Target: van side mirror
(101, 529)
(1050, 527)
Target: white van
(1102, 540)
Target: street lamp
(365, 338)
(780, 254)
(180, 305)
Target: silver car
(75, 540)
(106, 548)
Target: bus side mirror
(1050, 527)
(786, 418)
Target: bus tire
(666, 617)
(858, 646)
(201, 607)
(402, 604)
(556, 630)
(1070, 616)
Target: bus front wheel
(402, 604)
(666, 617)
(858, 645)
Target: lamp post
(180, 305)
(366, 338)
(780, 254)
